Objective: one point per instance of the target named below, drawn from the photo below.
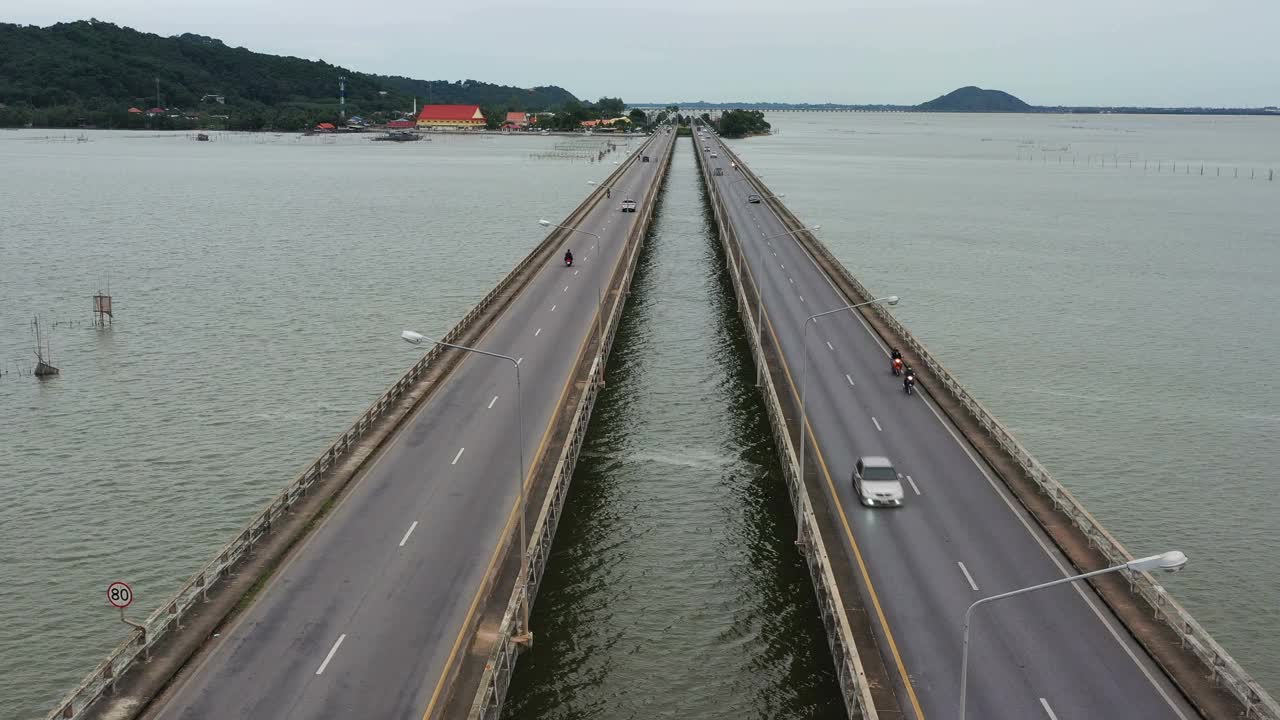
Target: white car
(876, 482)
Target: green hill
(975, 99)
(91, 72)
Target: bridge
(979, 518)
(409, 597)
(394, 576)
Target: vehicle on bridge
(876, 482)
(628, 206)
(753, 198)
(718, 171)
(644, 158)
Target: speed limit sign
(119, 594)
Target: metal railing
(497, 675)
(1219, 665)
(854, 688)
(168, 617)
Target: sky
(1047, 52)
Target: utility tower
(342, 98)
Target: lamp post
(804, 377)
(760, 300)
(522, 578)
(599, 295)
(1171, 561)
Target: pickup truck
(628, 206)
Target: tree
(610, 107)
(638, 117)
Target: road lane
(449, 476)
(1061, 647)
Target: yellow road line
(844, 520)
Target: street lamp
(522, 579)
(599, 295)
(1171, 561)
(804, 377)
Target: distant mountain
(92, 72)
(977, 100)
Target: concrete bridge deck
(961, 534)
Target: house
(325, 127)
(516, 120)
(400, 125)
(135, 111)
(155, 112)
(605, 122)
(450, 116)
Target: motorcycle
(568, 262)
(909, 384)
(896, 367)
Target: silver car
(876, 482)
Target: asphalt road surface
(363, 619)
(959, 536)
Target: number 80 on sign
(119, 595)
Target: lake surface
(1120, 321)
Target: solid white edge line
(967, 576)
(877, 422)
(491, 402)
(332, 650)
(455, 457)
(407, 533)
(1003, 493)
(913, 484)
(1048, 710)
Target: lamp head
(891, 300)
(412, 337)
(544, 222)
(1171, 562)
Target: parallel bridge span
(981, 515)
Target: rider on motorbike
(908, 378)
(896, 354)
(568, 257)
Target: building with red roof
(516, 120)
(325, 127)
(135, 111)
(450, 116)
(400, 125)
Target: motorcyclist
(568, 257)
(896, 354)
(897, 365)
(908, 378)
(608, 192)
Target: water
(675, 588)
(261, 283)
(1122, 323)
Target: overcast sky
(1048, 52)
